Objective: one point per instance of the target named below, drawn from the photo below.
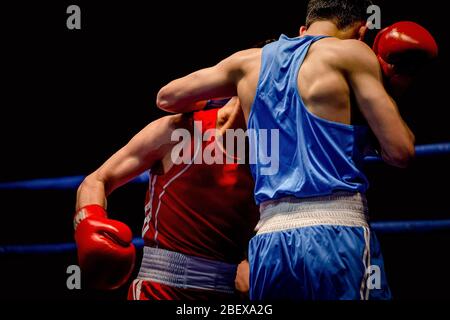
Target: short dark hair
(344, 13)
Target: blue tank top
(315, 157)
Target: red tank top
(199, 209)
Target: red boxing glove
(403, 49)
(105, 252)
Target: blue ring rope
(63, 183)
(66, 183)
(421, 151)
(69, 183)
(387, 227)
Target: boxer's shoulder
(345, 49)
(351, 54)
(242, 61)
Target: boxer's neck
(328, 28)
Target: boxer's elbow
(93, 184)
(162, 99)
(400, 156)
(167, 100)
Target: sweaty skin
(149, 147)
(335, 69)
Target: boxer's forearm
(396, 157)
(378, 108)
(140, 154)
(410, 133)
(91, 191)
(180, 96)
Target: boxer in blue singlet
(313, 239)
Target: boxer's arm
(364, 75)
(141, 152)
(180, 95)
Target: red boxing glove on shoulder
(403, 49)
(105, 252)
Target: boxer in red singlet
(199, 217)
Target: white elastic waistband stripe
(290, 213)
(183, 271)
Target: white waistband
(345, 209)
(184, 271)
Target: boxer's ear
(303, 29)
(362, 32)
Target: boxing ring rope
(62, 183)
(391, 227)
(70, 183)
(421, 152)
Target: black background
(71, 98)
